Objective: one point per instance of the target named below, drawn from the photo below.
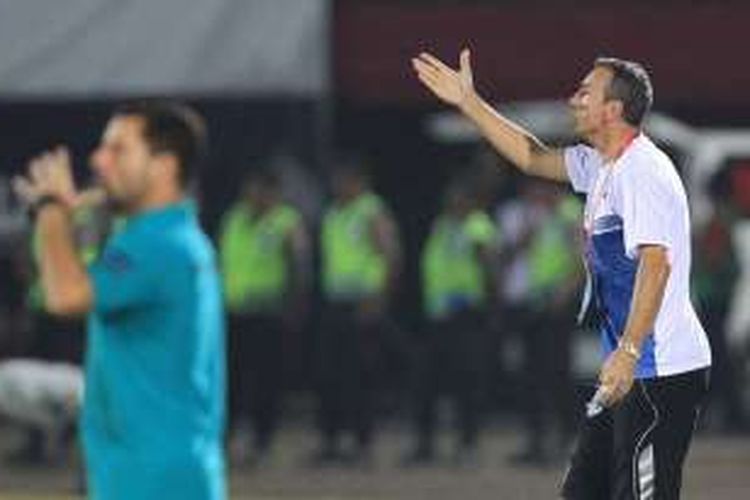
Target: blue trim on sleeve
(607, 223)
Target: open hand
(451, 86)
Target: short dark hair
(350, 164)
(264, 176)
(171, 127)
(631, 86)
(465, 184)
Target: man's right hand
(49, 174)
(451, 86)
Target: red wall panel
(694, 53)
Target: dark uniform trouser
(256, 372)
(349, 366)
(453, 357)
(548, 389)
(636, 450)
(725, 379)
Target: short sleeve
(124, 277)
(647, 206)
(582, 164)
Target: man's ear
(167, 164)
(614, 109)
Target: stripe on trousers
(644, 467)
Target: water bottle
(596, 404)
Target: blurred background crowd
(381, 266)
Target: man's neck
(352, 196)
(156, 201)
(613, 142)
(264, 208)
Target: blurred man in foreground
(153, 410)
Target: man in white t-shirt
(637, 232)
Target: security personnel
(457, 268)
(555, 275)
(360, 265)
(265, 265)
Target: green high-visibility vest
(352, 266)
(552, 254)
(253, 256)
(453, 276)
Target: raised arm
(49, 185)
(509, 139)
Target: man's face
(259, 196)
(346, 185)
(457, 202)
(589, 106)
(123, 162)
